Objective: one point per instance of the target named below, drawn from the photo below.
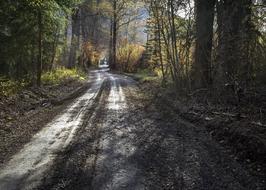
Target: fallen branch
(258, 124)
(198, 91)
(206, 118)
(230, 115)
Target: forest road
(111, 138)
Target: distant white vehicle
(103, 63)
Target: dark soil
(24, 114)
(240, 129)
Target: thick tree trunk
(234, 36)
(204, 36)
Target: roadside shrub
(128, 56)
(146, 75)
(58, 75)
(91, 53)
(10, 87)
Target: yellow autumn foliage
(129, 56)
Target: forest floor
(240, 128)
(126, 135)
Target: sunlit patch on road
(116, 100)
(114, 170)
(29, 165)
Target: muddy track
(69, 171)
(127, 142)
(26, 168)
(91, 161)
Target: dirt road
(111, 138)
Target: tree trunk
(204, 35)
(159, 31)
(39, 66)
(114, 36)
(111, 44)
(54, 49)
(74, 40)
(174, 40)
(234, 36)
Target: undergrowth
(61, 74)
(9, 87)
(145, 75)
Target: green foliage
(145, 75)
(61, 74)
(11, 87)
(19, 34)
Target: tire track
(114, 168)
(26, 169)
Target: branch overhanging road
(108, 139)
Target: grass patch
(145, 75)
(61, 74)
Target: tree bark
(74, 40)
(204, 35)
(114, 36)
(111, 43)
(159, 40)
(234, 37)
(39, 66)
